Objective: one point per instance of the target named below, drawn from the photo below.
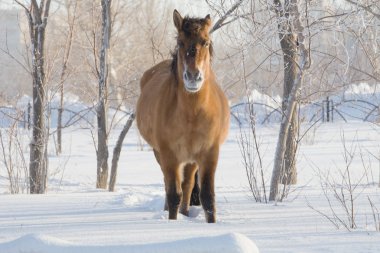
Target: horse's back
(153, 85)
(158, 72)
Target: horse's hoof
(185, 212)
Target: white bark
(102, 150)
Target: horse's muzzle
(193, 81)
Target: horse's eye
(206, 44)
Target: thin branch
(15, 59)
(23, 6)
(349, 66)
(365, 7)
(221, 20)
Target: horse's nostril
(198, 76)
(188, 75)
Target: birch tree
(37, 16)
(101, 110)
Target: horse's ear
(208, 20)
(177, 18)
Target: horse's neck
(193, 102)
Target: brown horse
(183, 114)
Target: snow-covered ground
(75, 217)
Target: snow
(233, 242)
(361, 89)
(75, 217)
(354, 102)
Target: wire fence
(327, 111)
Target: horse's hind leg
(187, 186)
(194, 199)
(157, 156)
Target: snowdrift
(231, 243)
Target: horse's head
(194, 50)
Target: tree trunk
(59, 124)
(279, 160)
(289, 49)
(296, 61)
(290, 169)
(38, 166)
(102, 150)
(116, 152)
(38, 163)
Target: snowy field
(75, 217)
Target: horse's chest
(192, 137)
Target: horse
(183, 114)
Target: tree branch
(36, 14)
(23, 6)
(367, 8)
(220, 22)
(45, 12)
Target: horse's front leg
(187, 186)
(206, 178)
(172, 178)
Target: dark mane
(174, 62)
(191, 27)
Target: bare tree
(296, 62)
(101, 33)
(71, 8)
(37, 16)
(117, 150)
(12, 155)
(288, 41)
(102, 150)
(250, 149)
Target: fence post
(29, 110)
(24, 120)
(323, 111)
(327, 109)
